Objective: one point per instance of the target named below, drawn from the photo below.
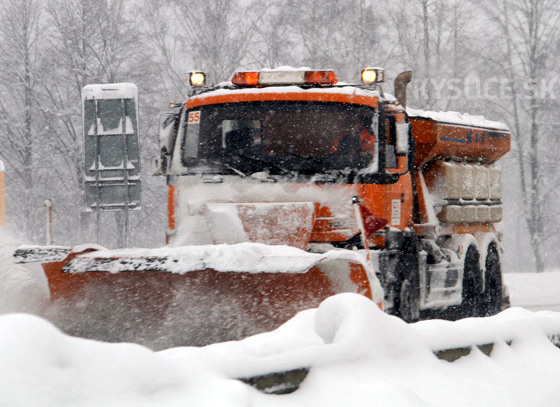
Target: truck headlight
(373, 75)
(196, 78)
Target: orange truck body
(440, 195)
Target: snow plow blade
(194, 295)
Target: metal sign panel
(112, 152)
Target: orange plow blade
(194, 295)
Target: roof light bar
(320, 77)
(281, 77)
(245, 79)
(373, 75)
(288, 77)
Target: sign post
(112, 150)
(50, 224)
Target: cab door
(389, 194)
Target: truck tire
(407, 290)
(471, 294)
(492, 296)
(409, 301)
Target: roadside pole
(50, 226)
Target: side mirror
(167, 129)
(168, 123)
(159, 165)
(402, 137)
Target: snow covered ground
(534, 291)
(356, 355)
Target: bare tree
(19, 35)
(91, 42)
(273, 43)
(527, 31)
(171, 58)
(344, 36)
(434, 40)
(212, 33)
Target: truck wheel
(493, 282)
(407, 291)
(472, 291)
(409, 301)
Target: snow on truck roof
(463, 119)
(227, 88)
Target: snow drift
(356, 355)
(23, 288)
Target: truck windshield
(307, 137)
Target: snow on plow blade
(41, 254)
(194, 295)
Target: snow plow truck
(286, 186)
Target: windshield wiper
(264, 161)
(238, 172)
(229, 167)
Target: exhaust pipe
(401, 81)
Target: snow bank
(42, 367)
(357, 355)
(535, 291)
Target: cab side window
(390, 143)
